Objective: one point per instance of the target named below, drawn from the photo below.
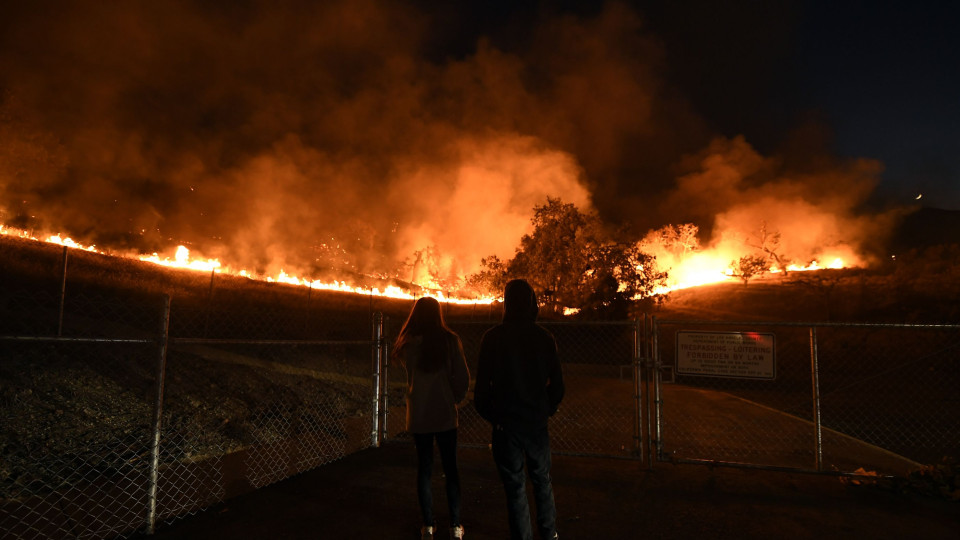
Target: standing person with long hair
(437, 381)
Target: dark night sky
(888, 79)
(871, 79)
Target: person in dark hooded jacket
(519, 387)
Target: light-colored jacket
(432, 398)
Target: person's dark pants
(447, 443)
(511, 450)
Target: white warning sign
(741, 355)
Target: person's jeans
(511, 449)
(447, 443)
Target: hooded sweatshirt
(519, 381)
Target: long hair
(425, 320)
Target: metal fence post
(377, 387)
(657, 390)
(63, 292)
(306, 318)
(815, 381)
(384, 389)
(637, 358)
(157, 418)
(206, 322)
(647, 365)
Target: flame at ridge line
(709, 276)
(700, 268)
(183, 261)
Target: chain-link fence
(817, 396)
(599, 415)
(121, 411)
(795, 396)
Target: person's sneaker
(426, 533)
(456, 532)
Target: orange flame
(713, 266)
(182, 260)
(700, 267)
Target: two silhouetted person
(519, 387)
(437, 380)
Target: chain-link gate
(599, 415)
(826, 397)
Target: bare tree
(769, 243)
(680, 240)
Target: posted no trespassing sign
(741, 355)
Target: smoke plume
(339, 135)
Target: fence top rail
(206, 341)
(628, 322)
(816, 324)
(190, 341)
(62, 339)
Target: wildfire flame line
(715, 275)
(694, 271)
(182, 260)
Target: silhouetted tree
(679, 240)
(769, 243)
(492, 278)
(748, 267)
(573, 261)
(553, 258)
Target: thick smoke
(757, 204)
(335, 135)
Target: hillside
(916, 279)
(30, 267)
(925, 289)
(926, 227)
(921, 285)
(86, 404)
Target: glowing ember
(836, 264)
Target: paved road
(371, 494)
